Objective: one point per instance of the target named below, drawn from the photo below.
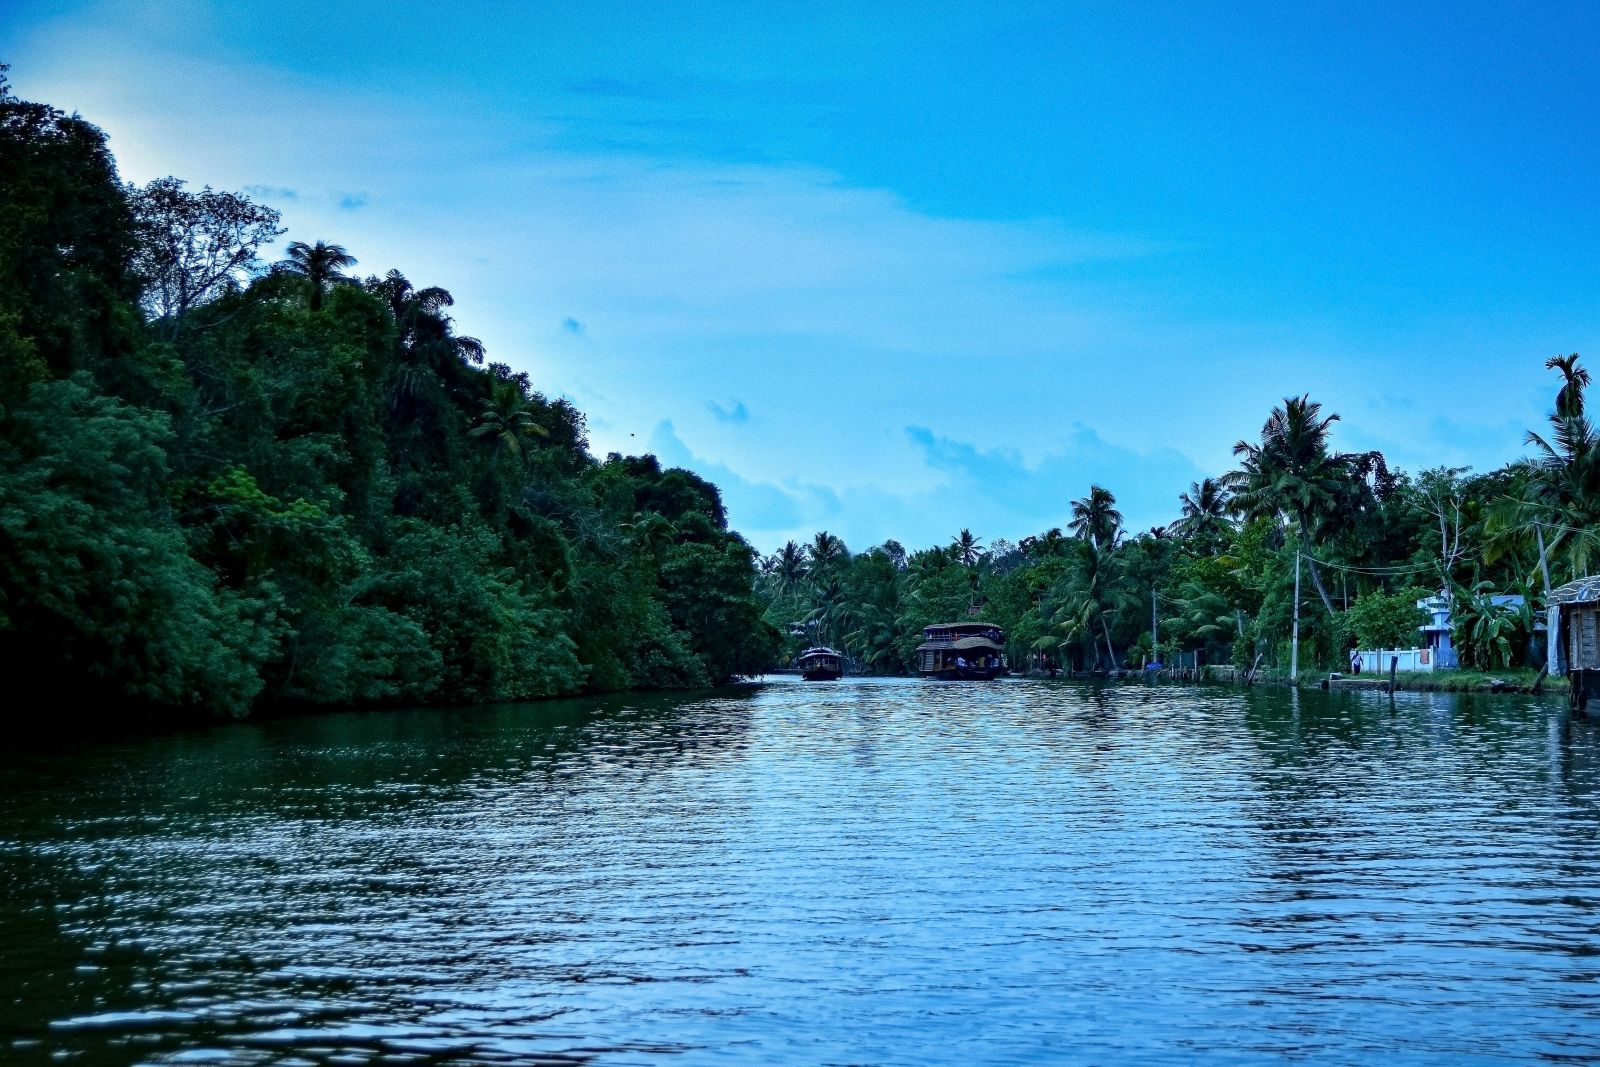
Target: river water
(870, 871)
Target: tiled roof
(1582, 591)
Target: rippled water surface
(862, 872)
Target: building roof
(1582, 591)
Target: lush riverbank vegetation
(1217, 584)
(227, 482)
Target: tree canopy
(1220, 577)
(224, 483)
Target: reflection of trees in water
(1425, 829)
(1573, 747)
(309, 872)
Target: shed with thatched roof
(1575, 621)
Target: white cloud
(1037, 358)
(995, 491)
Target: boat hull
(969, 674)
(822, 675)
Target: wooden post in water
(1394, 665)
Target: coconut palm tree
(826, 552)
(421, 325)
(1205, 509)
(1291, 475)
(789, 567)
(874, 636)
(321, 265)
(829, 611)
(1043, 546)
(1095, 518)
(1088, 598)
(1560, 504)
(968, 548)
(506, 420)
(651, 533)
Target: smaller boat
(821, 665)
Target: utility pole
(1544, 562)
(1294, 647)
(1153, 622)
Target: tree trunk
(1316, 580)
(1544, 562)
(1110, 651)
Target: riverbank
(1521, 680)
(1517, 681)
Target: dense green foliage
(1378, 620)
(1220, 579)
(223, 483)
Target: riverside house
(1434, 651)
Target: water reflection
(869, 871)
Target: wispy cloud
(1030, 356)
(995, 491)
(271, 193)
(764, 509)
(736, 415)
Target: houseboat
(820, 665)
(962, 650)
(1574, 649)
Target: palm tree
(789, 567)
(427, 353)
(826, 551)
(1205, 509)
(1088, 598)
(651, 532)
(1292, 475)
(1095, 518)
(507, 420)
(1050, 543)
(1569, 401)
(968, 547)
(874, 636)
(421, 326)
(321, 265)
(1561, 501)
(829, 608)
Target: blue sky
(893, 270)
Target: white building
(1436, 631)
(1435, 650)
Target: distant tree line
(225, 482)
(1217, 584)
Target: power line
(1379, 571)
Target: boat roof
(818, 651)
(961, 627)
(974, 642)
(1582, 591)
(964, 644)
